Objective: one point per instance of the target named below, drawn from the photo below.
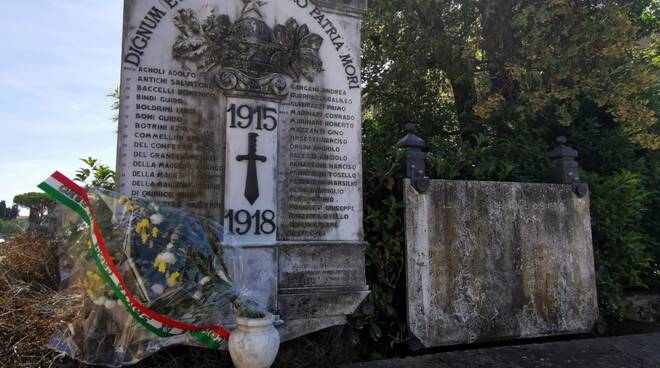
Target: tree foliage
(492, 83)
(115, 96)
(37, 203)
(503, 64)
(575, 51)
(8, 213)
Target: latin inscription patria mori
(248, 55)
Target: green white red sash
(68, 193)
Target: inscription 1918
(244, 222)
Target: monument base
(310, 285)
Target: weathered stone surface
(321, 280)
(255, 274)
(489, 261)
(321, 266)
(249, 112)
(318, 303)
(356, 6)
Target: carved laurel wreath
(248, 45)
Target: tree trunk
(465, 98)
(500, 46)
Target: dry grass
(31, 309)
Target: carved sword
(252, 179)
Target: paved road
(637, 351)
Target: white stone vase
(254, 343)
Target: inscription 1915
(243, 116)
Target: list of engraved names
(322, 167)
(168, 148)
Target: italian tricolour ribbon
(68, 193)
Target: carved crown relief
(247, 55)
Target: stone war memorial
(249, 113)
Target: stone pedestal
(311, 286)
(494, 261)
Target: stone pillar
(413, 165)
(564, 169)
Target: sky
(59, 59)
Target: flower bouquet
(146, 277)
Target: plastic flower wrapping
(171, 271)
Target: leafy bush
(620, 244)
(94, 174)
(12, 229)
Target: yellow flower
(142, 229)
(93, 276)
(142, 226)
(163, 260)
(92, 282)
(160, 265)
(173, 279)
(129, 207)
(154, 232)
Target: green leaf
(374, 331)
